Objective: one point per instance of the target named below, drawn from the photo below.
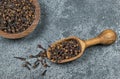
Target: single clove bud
(36, 64)
(39, 46)
(20, 58)
(44, 73)
(26, 66)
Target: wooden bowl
(29, 29)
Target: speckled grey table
(62, 18)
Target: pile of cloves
(16, 15)
(40, 60)
(65, 50)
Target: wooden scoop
(106, 37)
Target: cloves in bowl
(18, 18)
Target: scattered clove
(28, 63)
(41, 60)
(36, 64)
(32, 56)
(26, 66)
(40, 46)
(44, 64)
(44, 73)
(20, 58)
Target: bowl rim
(30, 29)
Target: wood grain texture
(106, 37)
(29, 29)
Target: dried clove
(20, 58)
(44, 73)
(26, 66)
(32, 56)
(36, 64)
(40, 46)
(44, 64)
(28, 63)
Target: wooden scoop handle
(106, 37)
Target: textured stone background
(62, 18)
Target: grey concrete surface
(59, 19)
